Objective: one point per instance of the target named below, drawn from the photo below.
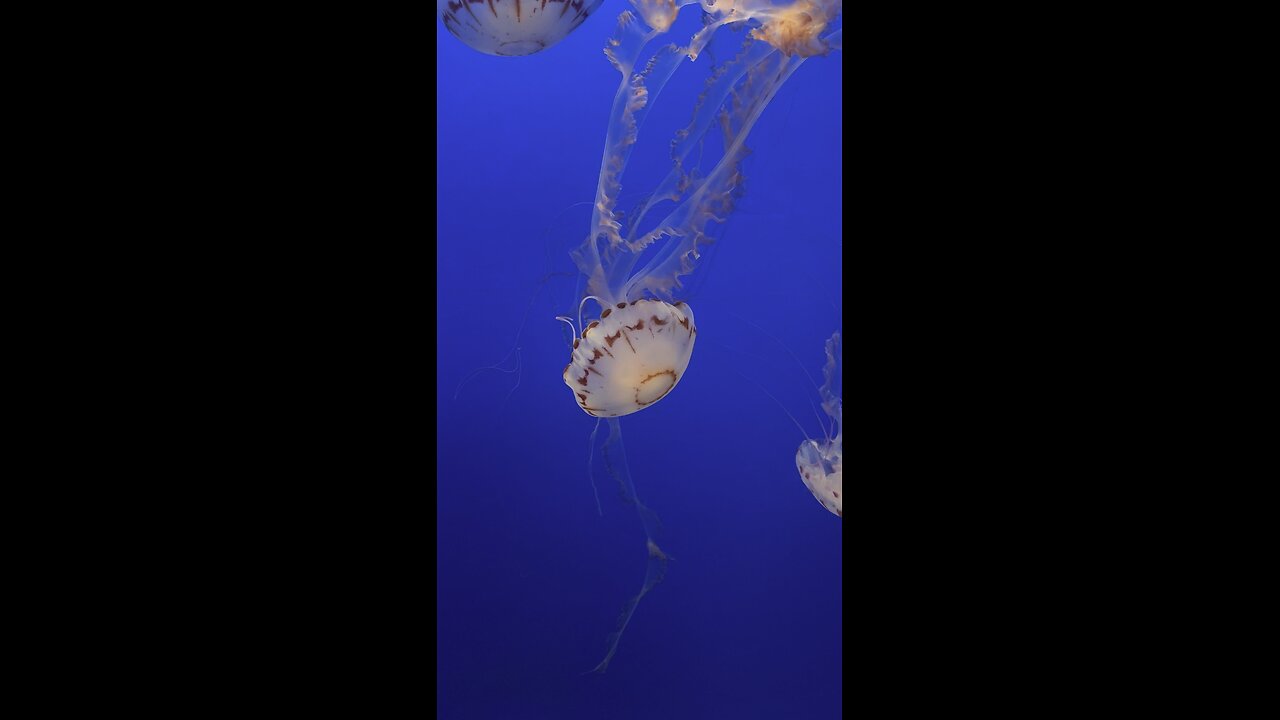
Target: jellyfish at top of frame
(821, 464)
(513, 28)
(611, 379)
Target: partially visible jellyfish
(512, 27)
(821, 464)
(639, 347)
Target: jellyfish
(639, 347)
(821, 463)
(513, 27)
(609, 384)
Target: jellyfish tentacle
(784, 37)
(831, 389)
(821, 423)
(599, 302)
(762, 389)
(591, 449)
(515, 345)
(710, 197)
(714, 198)
(635, 95)
(519, 376)
(569, 322)
(718, 85)
(656, 567)
(496, 366)
(540, 286)
(636, 92)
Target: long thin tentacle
(656, 569)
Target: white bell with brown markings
(631, 357)
(513, 27)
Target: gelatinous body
(821, 464)
(632, 357)
(513, 27)
(611, 373)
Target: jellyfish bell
(631, 357)
(513, 28)
(821, 469)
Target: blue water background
(748, 622)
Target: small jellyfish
(821, 464)
(513, 27)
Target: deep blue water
(748, 621)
